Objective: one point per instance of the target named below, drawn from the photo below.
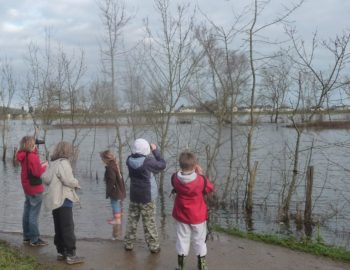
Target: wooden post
(14, 159)
(4, 152)
(308, 195)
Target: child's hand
(153, 146)
(44, 164)
(198, 169)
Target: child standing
(190, 210)
(115, 189)
(30, 164)
(143, 192)
(59, 197)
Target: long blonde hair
(27, 144)
(63, 150)
(107, 156)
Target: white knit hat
(141, 146)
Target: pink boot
(115, 220)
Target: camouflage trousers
(148, 214)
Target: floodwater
(327, 150)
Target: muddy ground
(224, 253)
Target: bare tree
(169, 67)
(329, 79)
(291, 186)
(253, 32)
(226, 71)
(74, 70)
(39, 86)
(114, 19)
(53, 87)
(276, 80)
(7, 91)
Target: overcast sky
(76, 23)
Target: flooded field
(326, 150)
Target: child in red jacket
(31, 166)
(190, 210)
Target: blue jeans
(32, 205)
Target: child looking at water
(28, 156)
(143, 163)
(190, 210)
(115, 189)
(59, 198)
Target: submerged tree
(253, 32)
(7, 91)
(276, 82)
(169, 67)
(220, 81)
(328, 79)
(114, 19)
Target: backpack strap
(28, 171)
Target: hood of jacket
(21, 155)
(186, 178)
(136, 161)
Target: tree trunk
(308, 195)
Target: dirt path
(224, 253)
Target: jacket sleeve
(35, 165)
(156, 164)
(110, 177)
(46, 177)
(65, 174)
(210, 186)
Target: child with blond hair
(32, 167)
(115, 188)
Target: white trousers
(185, 234)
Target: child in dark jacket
(143, 163)
(190, 210)
(115, 189)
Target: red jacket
(189, 205)
(36, 169)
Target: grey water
(326, 150)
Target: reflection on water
(273, 147)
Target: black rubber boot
(180, 262)
(202, 265)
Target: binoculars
(38, 141)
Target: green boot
(180, 262)
(202, 265)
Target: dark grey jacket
(143, 186)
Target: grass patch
(305, 245)
(12, 258)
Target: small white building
(187, 110)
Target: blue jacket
(143, 186)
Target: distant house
(187, 110)
(184, 109)
(267, 108)
(341, 108)
(244, 109)
(316, 108)
(285, 108)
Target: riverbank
(224, 253)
